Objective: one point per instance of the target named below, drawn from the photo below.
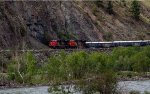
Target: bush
(108, 36)
(22, 68)
(123, 64)
(141, 63)
(30, 63)
(14, 70)
(132, 58)
(136, 9)
(121, 58)
(104, 83)
(56, 67)
(99, 62)
(78, 64)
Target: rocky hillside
(30, 24)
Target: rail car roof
(98, 42)
(121, 41)
(131, 41)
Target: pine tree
(136, 9)
(110, 8)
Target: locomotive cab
(53, 43)
(72, 44)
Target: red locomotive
(53, 43)
(72, 43)
(62, 44)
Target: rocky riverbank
(124, 86)
(5, 83)
(132, 76)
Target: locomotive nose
(72, 43)
(53, 43)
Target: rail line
(49, 50)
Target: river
(124, 86)
(140, 86)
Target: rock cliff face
(31, 24)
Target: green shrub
(146, 51)
(141, 63)
(122, 58)
(56, 67)
(104, 84)
(108, 36)
(53, 67)
(136, 9)
(123, 64)
(98, 62)
(22, 68)
(30, 63)
(78, 64)
(14, 70)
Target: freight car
(62, 44)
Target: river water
(140, 86)
(124, 86)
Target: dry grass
(145, 19)
(146, 2)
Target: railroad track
(49, 50)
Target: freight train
(62, 44)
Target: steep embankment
(32, 24)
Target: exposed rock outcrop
(31, 24)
